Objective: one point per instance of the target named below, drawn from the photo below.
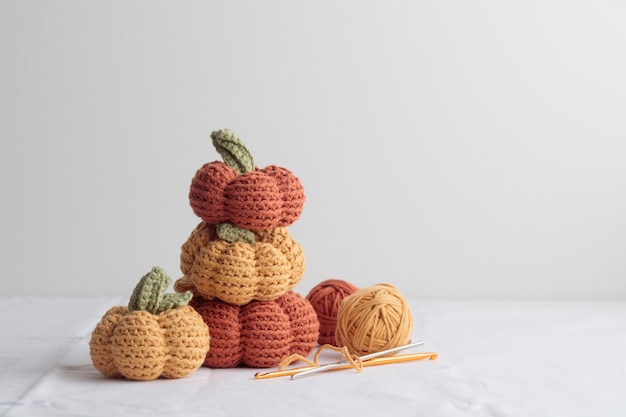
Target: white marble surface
(496, 358)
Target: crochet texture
(234, 191)
(259, 334)
(156, 335)
(240, 272)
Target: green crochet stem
(237, 156)
(231, 233)
(149, 294)
(233, 151)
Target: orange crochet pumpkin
(156, 335)
(259, 334)
(237, 192)
(240, 272)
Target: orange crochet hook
(382, 360)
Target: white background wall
(451, 148)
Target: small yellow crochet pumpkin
(156, 335)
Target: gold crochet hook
(372, 359)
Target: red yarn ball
(325, 298)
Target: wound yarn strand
(373, 319)
(325, 298)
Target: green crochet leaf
(233, 151)
(231, 233)
(149, 293)
(172, 300)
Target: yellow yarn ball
(372, 319)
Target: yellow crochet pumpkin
(156, 335)
(263, 269)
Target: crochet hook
(383, 360)
(329, 366)
(362, 359)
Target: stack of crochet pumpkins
(241, 264)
